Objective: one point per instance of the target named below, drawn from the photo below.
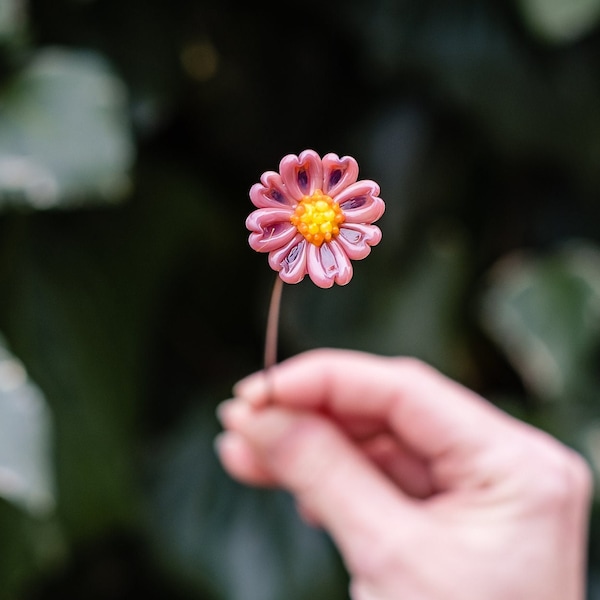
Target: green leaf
(12, 20)
(26, 474)
(82, 303)
(230, 541)
(559, 20)
(64, 135)
(545, 315)
(64, 318)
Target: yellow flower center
(318, 218)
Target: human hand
(429, 492)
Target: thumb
(309, 456)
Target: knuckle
(580, 475)
(322, 355)
(564, 480)
(316, 353)
(410, 368)
(411, 365)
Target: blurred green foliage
(130, 133)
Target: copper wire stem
(272, 332)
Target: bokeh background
(130, 133)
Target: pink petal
(290, 260)
(271, 229)
(328, 264)
(360, 202)
(338, 173)
(303, 174)
(356, 239)
(343, 261)
(270, 193)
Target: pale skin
(427, 489)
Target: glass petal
(338, 173)
(303, 174)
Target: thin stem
(273, 323)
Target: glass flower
(314, 217)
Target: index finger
(430, 413)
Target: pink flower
(315, 217)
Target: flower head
(314, 217)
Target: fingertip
(221, 411)
(228, 448)
(240, 461)
(235, 413)
(253, 388)
(230, 412)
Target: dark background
(130, 302)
